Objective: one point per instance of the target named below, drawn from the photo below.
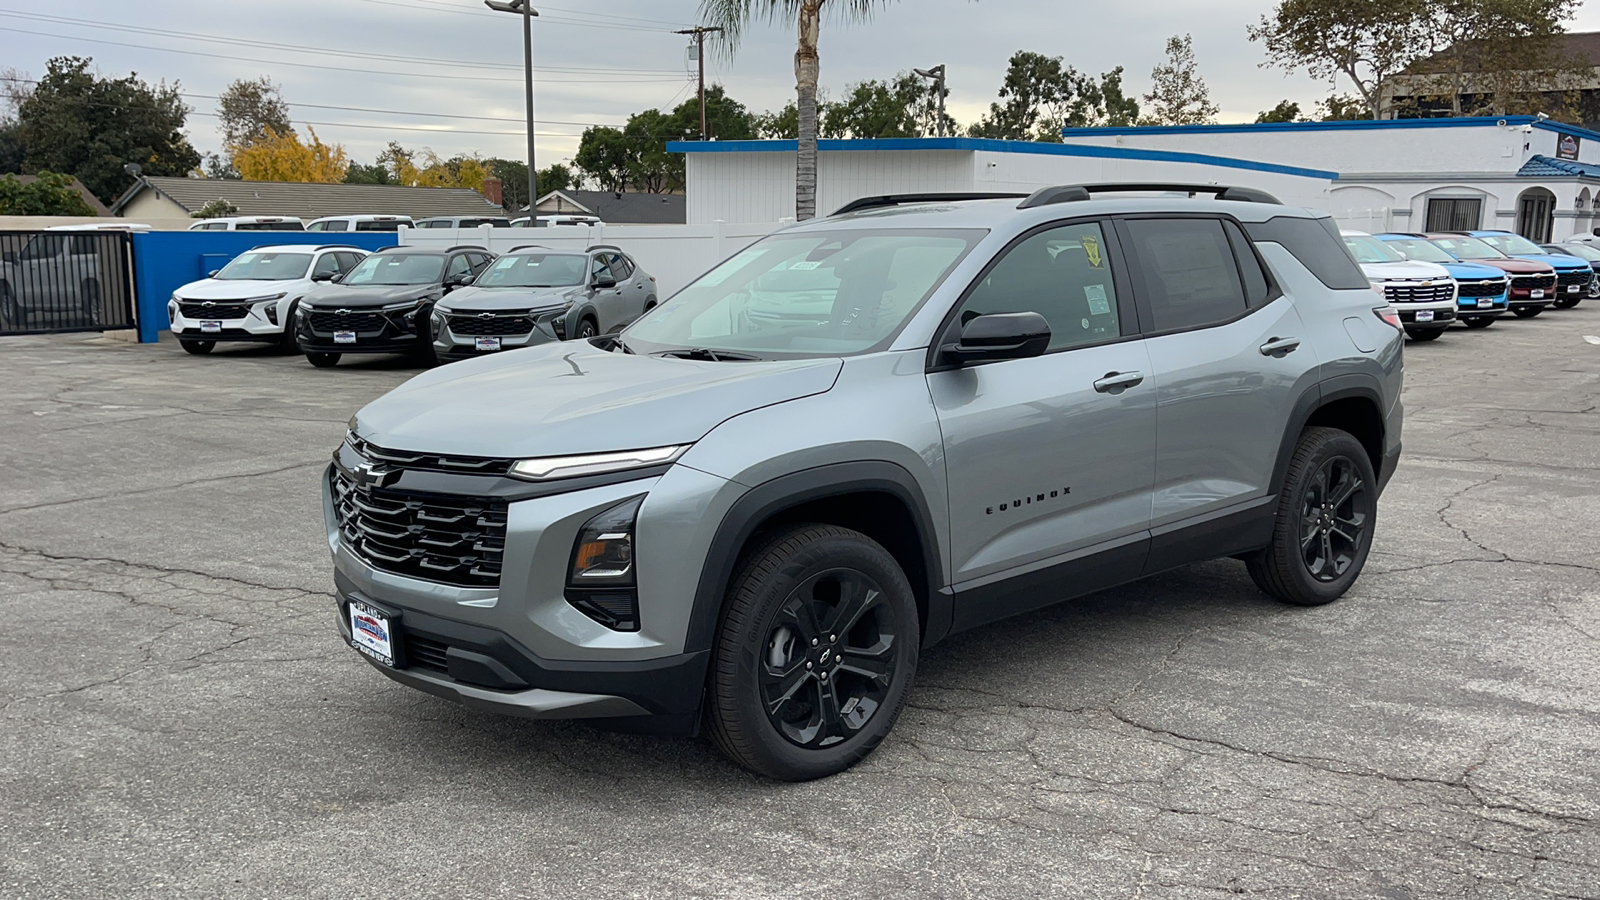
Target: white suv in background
(250, 223)
(1423, 293)
(253, 298)
(359, 223)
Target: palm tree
(733, 15)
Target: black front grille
(493, 326)
(424, 653)
(214, 311)
(1535, 282)
(433, 462)
(345, 321)
(434, 537)
(1576, 276)
(1418, 292)
(1492, 288)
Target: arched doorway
(1585, 217)
(1536, 213)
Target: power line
(557, 20)
(272, 62)
(354, 54)
(451, 7)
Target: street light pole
(525, 7)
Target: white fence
(674, 254)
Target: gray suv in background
(731, 519)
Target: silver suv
(753, 525)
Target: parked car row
(1431, 280)
(380, 223)
(331, 300)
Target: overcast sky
(421, 66)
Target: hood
(477, 299)
(1473, 271)
(1559, 263)
(369, 294)
(1517, 266)
(1408, 270)
(216, 289)
(566, 398)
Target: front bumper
(256, 325)
(1518, 298)
(547, 328)
(1429, 315)
(374, 330)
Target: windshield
(397, 268)
(1580, 251)
(809, 294)
(266, 267)
(1468, 248)
(535, 270)
(1511, 244)
(1371, 250)
(1419, 249)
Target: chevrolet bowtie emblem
(485, 315)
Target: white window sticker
(1096, 295)
(805, 265)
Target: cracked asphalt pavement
(178, 717)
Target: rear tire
(1323, 531)
(1479, 321)
(323, 360)
(1568, 302)
(1418, 334)
(815, 655)
(198, 348)
(1527, 312)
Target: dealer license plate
(1425, 315)
(371, 632)
(488, 344)
(1537, 295)
(211, 327)
(1485, 302)
(344, 337)
(1573, 288)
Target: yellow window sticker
(1091, 248)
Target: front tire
(290, 341)
(1568, 302)
(1527, 312)
(1326, 513)
(198, 348)
(1479, 321)
(815, 655)
(586, 329)
(323, 360)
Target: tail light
(1389, 316)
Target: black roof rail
(594, 247)
(394, 247)
(527, 247)
(467, 247)
(338, 247)
(1071, 193)
(898, 199)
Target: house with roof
(155, 197)
(616, 207)
(753, 181)
(1528, 174)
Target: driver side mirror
(213, 273)
(999, 336)
(455, 281)
(324, 276)
(604, 281)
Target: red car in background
(1533, 284)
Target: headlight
(550, 468)
(266, 299)
(404, 304)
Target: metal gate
(65, 281)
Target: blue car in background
(1482, 290)
(1572, 274)
(1586, 253)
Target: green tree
(12, 152)
(726, 118)
(783, 125)
(878, 109)
(1343, 108)
(50, 194)
(605, 156)
(1285, 111)
(1366, 41)
(1497, 57)
(359, 173)
(1042, 95)
(556, 177)
(91, 127)
(735, 15)
(1116, 109)
(650, 167)
(1178, 95)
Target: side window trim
(1128, 323)
(1142, 293)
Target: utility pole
(525, 8)
(936, 75)
(699, 32)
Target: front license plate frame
(1536, 295)
(372, 632)
(344, 337)
(1573, 288)
(211, 326)
(1485, 302)
(1424, 315)
(486, 344)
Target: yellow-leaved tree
(425, 168)
(282, 156)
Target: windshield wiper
(709, 355)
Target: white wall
(1026, 172)
(1403, 205)
(674, 254)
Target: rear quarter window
(1316, 243)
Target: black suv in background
(383, 305)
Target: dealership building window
(1536, 210)
(1455, 213)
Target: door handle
(1117, 382)
(1280, 347)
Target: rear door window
(1317, 245)
(1190, 278)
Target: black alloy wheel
(1322, 533)
(289, 342)
(1334, 514)
(1527, 312)
(587, 329)
(828, 659)
(815, 654)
